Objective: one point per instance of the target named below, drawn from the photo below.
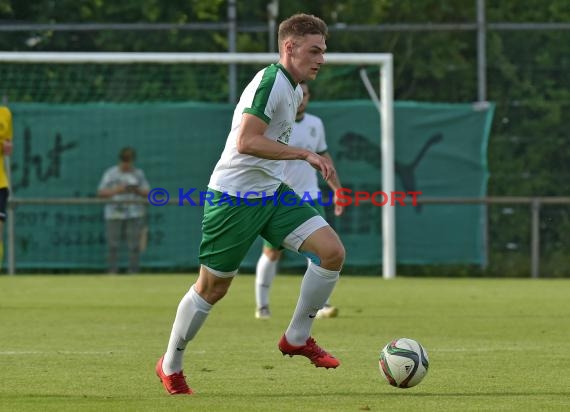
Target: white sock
(327, 303)
(264, 273)
(317, 286)
(191, 314)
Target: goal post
(386, 92)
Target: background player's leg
(265, 272)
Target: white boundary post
(384, 60)
(388, 170)
(385, 109)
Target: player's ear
(289, 44)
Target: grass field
(90, 343)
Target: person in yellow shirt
(5, 150)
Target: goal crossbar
(386, 92)
(175, 58)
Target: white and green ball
(403, 363)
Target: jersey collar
(286, 73)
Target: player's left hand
(338, 209)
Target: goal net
(74, 111)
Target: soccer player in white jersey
(248, 201)
(309, 133)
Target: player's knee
(211, 293)
(210, 287)
(332, 257)
(217, 293)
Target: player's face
(307, 56)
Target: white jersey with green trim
(308, 133)
(274, 97)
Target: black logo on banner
(358, 148)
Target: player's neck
(290, 68)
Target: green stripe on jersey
(286, 73)
(262, 93)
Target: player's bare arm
(334, 181)
(252, 141)
(334, 184)
(323, 164)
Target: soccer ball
(403, 363)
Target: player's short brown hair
(300, 25)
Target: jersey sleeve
(266, 97)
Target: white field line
(487, 349)
(71, 352)
(59, 352)
(203, 352)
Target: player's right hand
(323, 164)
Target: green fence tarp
(63, 150)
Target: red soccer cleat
(317, 355)
(174, 384)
